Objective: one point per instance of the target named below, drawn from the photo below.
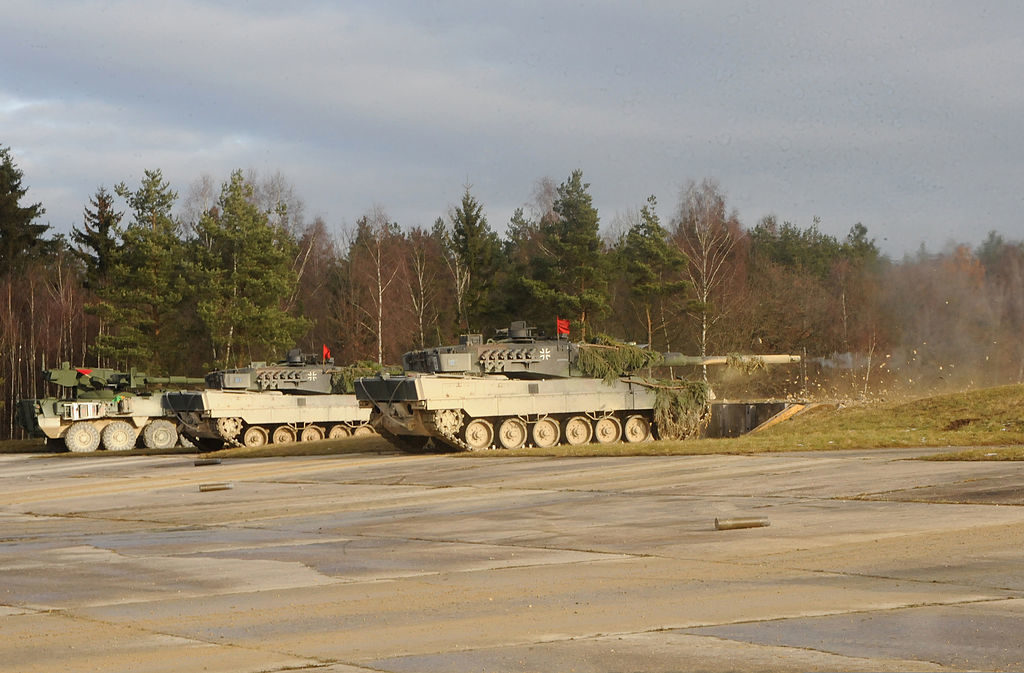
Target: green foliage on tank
(607, 359)
(343, 378)
(680, 410)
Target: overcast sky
(907, 117)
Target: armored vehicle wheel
(578, 430)
(479, 434)
(512, 433)
(607, 430)
(338, 431)
(159, 434)
(545, 433)
(82, 437)
(254, 435)
(228, 428)
(637, 429)
(311, 433)
(284, 435)
(119, 436)
(364, 431)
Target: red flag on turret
(327, 353)
(561, 326)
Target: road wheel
(284, 435)
(545, 433)
(311, 433)
(479, 434)
(338, 431)
(159, 434)
(607, 430)
(637, 429)
(255, 436)
(364, 431)
(512, 433)
(82, 437)
(578, 430)
(119, 436)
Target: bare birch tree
(705, 234)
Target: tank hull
(456, 411)
(233, 418)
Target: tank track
(447, 425)
(229, 431)
(448, 431)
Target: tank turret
(520, 388)
(518, 354)
(297, 374)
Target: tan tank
(298, 399)
(519, 390)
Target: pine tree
(21, 236)
(653, 266)
(243, 275)
(97, 242)
(570, 278)
(22, 248)
(142, 304)
(472, 251)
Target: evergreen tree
(653, 266)
(96, 243)
(142, 304)
(570, 278)
(21, 236)
(243, 275)
(472, 251)
(22, 246)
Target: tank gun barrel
(680, 360)
(139, 379)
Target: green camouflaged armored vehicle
(103, 407)
(297, 399)
(520, 390)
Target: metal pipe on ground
(742, 522)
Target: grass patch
(26, 446)
(984, 453)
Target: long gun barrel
(679, 360)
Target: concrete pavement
(405, 563)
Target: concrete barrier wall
(732, 419)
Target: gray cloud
(902, 117)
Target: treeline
(228, 274)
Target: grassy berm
(985, 424)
